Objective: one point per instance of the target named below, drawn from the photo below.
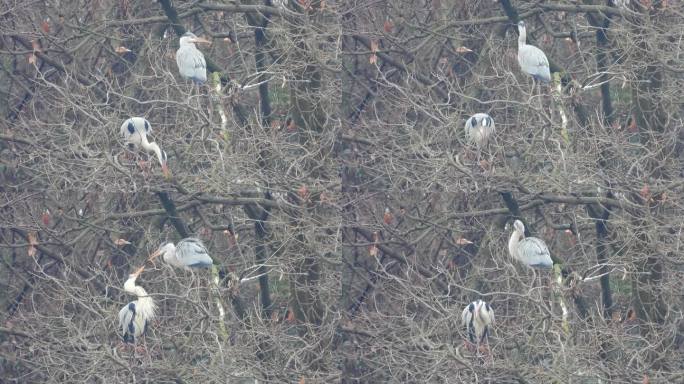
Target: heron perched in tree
(532, 60)
(134, 131)
(478, 317)
(530, 251)
(479, 128)
(135, 316)
(190, 253)
(190, 60)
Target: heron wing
(191, 63)
(191, 252)
(535, 253)
(127, 322)
(490, 312)
(467, 321)
(533, 61)
(466, 316)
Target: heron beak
(165, 171)
(139, 271)
(154, 255)
(201, 40)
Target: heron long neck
(152, 147)
(513, 243)
(522, 37)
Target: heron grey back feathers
(535, 253)
(192, 253)
(190, 60)
(532, 60)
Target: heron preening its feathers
(530, 251)
(190, 60)
(134, 131)
(478, 317)
(532, 60)
(135, 316)
(190, 253)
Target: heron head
(191, 38)
(521, 24)
(163, 250)
(519, 226)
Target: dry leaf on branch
(33, 241)
(121, 242)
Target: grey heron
(478, 317)
(190, 60)
(530, 251)
(479, 128)
(532, 60)
(190, 253)
(134, 131)
(136, 315)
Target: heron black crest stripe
(147, 126)
(131, 127)
(473, 121)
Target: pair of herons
(191, 66)
(134, 317)
(479, 128)
(478, 316)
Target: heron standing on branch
(530, 251)
(479, 128)
(189, 254)
(478, 317)
(134, 131)
(532, 60)
(190, 60)
(136, 315)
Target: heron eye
(131, 128)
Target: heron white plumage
(190, 253)
(135, 316)
(479, 128)
(530, 251)
(532, 60)
(134, 131)
(190, 60)
(478, 317)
